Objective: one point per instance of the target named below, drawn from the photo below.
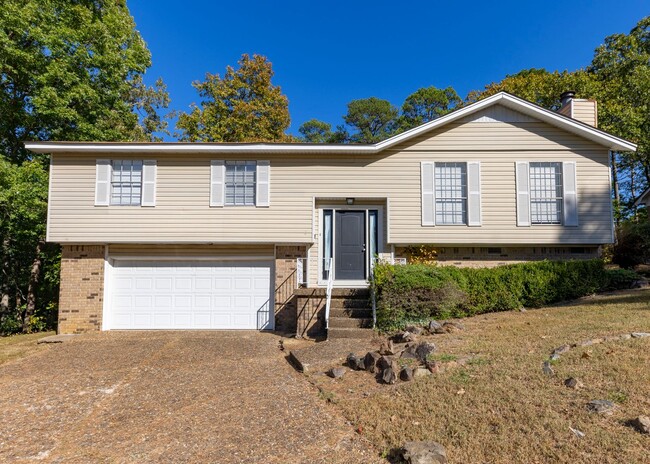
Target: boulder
(640, 334)
(406, 374)
(387, 362)
(370, 361)
(389, 376)
(421, 372)
(640, 284)
(547, 369)
(451, 326)
(410, 351)
(641, 424)
(424, 452)
(561, 350)
(387, 348)
(573, 383)
(423, 350)
(601, 407)
(435, 328)
(336, 372)
(415, 330)
(355, 362)
(407, 337)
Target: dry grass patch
(501, 408)
(17, 346)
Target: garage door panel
(190, 295)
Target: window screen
(546, 193)
(126, 182)
(240, 183)
(451, 193)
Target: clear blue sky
(326, 54)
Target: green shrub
(418, 292)
(633, 245)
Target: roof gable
(500, 107)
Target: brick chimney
(580, 109)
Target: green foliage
(633, 245)
(417, 292)
(620, 278)
(427, 104)
(243, 106)
(68, 71)
(372, 120)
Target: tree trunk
(34, 276)
(5, 289)
(617, 194)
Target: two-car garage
(188, 294)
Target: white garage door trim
(255, 267)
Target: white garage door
(190, 295)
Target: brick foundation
(81, 296)
(498, 256)
(285, 285)
(310, 312)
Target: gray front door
(350, 245)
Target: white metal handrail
(327, 267)
(373, 298)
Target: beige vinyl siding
(585, 111)
(182, 213)
(191, 251)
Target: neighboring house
(644, 199)
(220, 235)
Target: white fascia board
(173, 147)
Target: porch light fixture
(349, 201)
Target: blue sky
(326, 54)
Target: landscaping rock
(554, 357)
(336, 372)
(406, 374)
(424, 452)
(451, 326)
(435, 328)
(547, 369)
(421, 372)
(561, 350)
(625, 336)
(370, 361)
(387, 348)
(601, 406)
(355, 362)
(410, 351)
(640, 334)
(408, 337)
(640, 284)
(389, 376)
(434, 366)
(387, 362)
(415, 330)
(423, 350)
(641, 424)
(573, 383)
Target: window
(546, 193)
(451, 193)
(126, 183)
(240, 183)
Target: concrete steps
(350, 314)
(349, 333)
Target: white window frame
(557, 198)
(245, 184)
(439, 199)
(130, 184)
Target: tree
(243, 106)
(372, 119)
(315, 131)
(427, 104)
(68, 71)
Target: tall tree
(69, 70)
(243, 106)
(372, 120)
(315, 131)
(427, 104)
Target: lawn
(501, 408)
(17, 346)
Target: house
(220, 235)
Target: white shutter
(217, 184)
(103, 172)
(149, 168)
(428, 193)
(262, 195)
(523, 193)
(570, 193)
(473, 193)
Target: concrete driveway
(168, 397)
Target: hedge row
(417, 292)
